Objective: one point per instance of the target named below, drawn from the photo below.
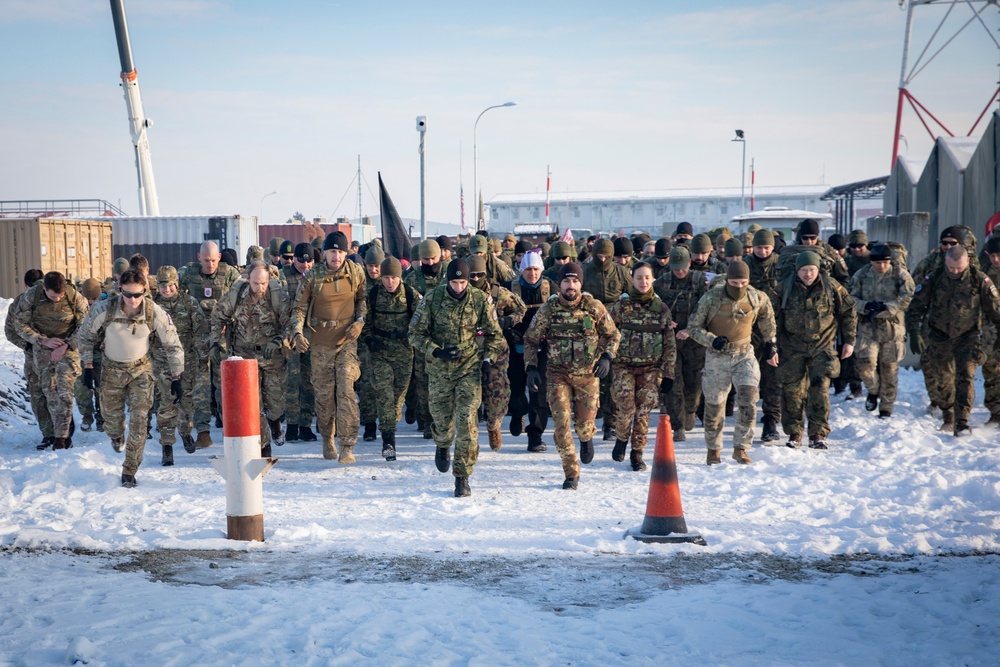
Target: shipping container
(300, 233)
(175, 240)
(79, 249)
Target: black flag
(395, 240)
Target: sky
(251, 97)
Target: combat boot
(291, 433)
(794, 441)
(496, 442)
(740, 456)
(100, 425)
(871, 403)
(204, 440)
(618, 453)
(410, 414)
(371, 431)
(689, 421)
(587, 451)
(535, 443)
(442, 459)
(118, 444)
(218, 420)
(389, 446)
(329, 449)
(428, 434)
(276, 436)
(46, 442)
(265, 451)
(462, 489)
(346, 455)
(59, 443)
(714, 457)
(769, 432)
(571, 483)
(948, 420)
(306, 434)
(817, 442)
(679, 435)
(188, 443)
(128, 481)
(88, 423)
(609, 432)
(884, 414)
(516, 425)
(855, 391)
(167, 459)
(962, 429)
(636, 459)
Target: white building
(653, 211)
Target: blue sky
(250, 97)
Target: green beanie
(701, 243)
(763, 237)
(807, 258)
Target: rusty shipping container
(79, 249)
(297, 233)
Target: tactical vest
(572, 336)
(395, 333)
(329, 322)
(642, 332)
(61, 318)
(680, 297)
(113, 315)
(275, 293)
(207, 290)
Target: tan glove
(299, 343)
(354, 330)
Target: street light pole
(743, 171)
(260, 220)
(422, 129)
(480, 223)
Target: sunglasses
(857, 245)
(949, 242)
(809, 237)
(477, 276)
(288, 257)
(133, 295)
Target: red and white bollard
(241, 465)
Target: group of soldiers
(476, 330)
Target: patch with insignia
(208, 292)
(917, 288)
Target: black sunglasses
(133, 295)
(949, 242)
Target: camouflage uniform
(681, 296)
(422, 284)
(606, 284)
(880, 336)
(496, 386)
(809, 320)
(367, 408)
(646, 354)
(720, 314)
(251, 325)
(330, 311)
(36, 318)
(951, 310)
(207, 290)
(193, 332)
(300, 398)
(764, 278)
(386, 337)
(577, 334)
(127, 377)
(991, 368)
(455, 389)
(39, 405)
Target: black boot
(618, 453)
(59, 443)
(462, 489)
(535, 443)
(570, 483)
(218, 420)
(587, 451)
(389, 446)
(276, 435)
(371, 430)
(516, 425)
(636, 459)
(410, 414)
(609, 431)
(770, 430)
(442, 459)
(128, 481)
(188, 442)
(265, 451)
(291, 433)
(46, 442)
(871, 403)
(306, 434)
(168, 456)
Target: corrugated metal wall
(175, 240)
(161, 254)
(910, 229)
(79, 249)
(927, 193)
(982, 180)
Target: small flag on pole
(567, 236)
(461, 196)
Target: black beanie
(684, 228)
(880, 253)
(303, 250)
(458, 269)
(809, 228)
(522, 246)
(623, 247)
(992, 245)
(663, 247)
(444, 242)
(336, 241)
(570, 270)
(837, 242)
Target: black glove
(666, 384)
(603, 366)
(485, 370)
(88, 378)
(272, 347)
(175, 389)
(770, 349)
(505, 322)
(534, 378)
(872, 306)
(916, 343)
(719, 342)
(449, 353)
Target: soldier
(444, 242)
(680, 289)
(606, 281)
(951, 303)
(120, 266)
(814, 310)
(422, 280)
(991, 369)
(520, 248)
(286, 254)
(496, 271)
(509, 246)
(724, 322)
(123, 325)
(331, 306)
(683, 233)
(300, 397)
(701, 257)
(193, 332)
(625, 254)
(85, 398)
(254, 252)
(832, 264)
(660, 260)
(510, 311)
(366, 385)
(386, 337)
(47, 317)
(562, 253)
(444, 330)
(254, 317)
(582, 341)
(649, 251)
(719, 245)
(857, 251)
(39, 407)
(533, 290)
(208, 280)
(274, 251)
(644, 365)
(881, 294)
(763, 265)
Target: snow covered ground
(882, 550)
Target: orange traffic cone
(664, 520)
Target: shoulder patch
(917, 288)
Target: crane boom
(138, 123)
